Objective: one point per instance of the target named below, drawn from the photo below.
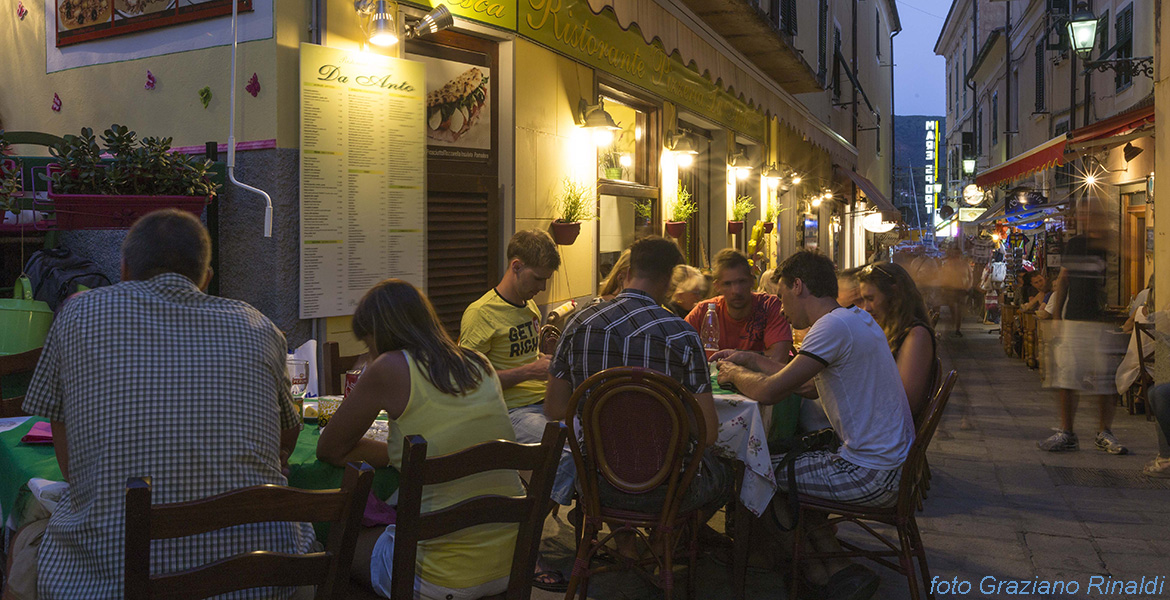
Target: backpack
(56, 274)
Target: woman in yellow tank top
(431, 387)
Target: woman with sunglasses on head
(889, 294)
(451, 396)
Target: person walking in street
(1083, 355)
(954, 281)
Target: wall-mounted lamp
(1130, 151)
(594, 118)
(875, 223)
(433, 22)
(380, 20)
(739, 162)
(683, 148)
(1082, 30)
(968, 166)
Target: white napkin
(308, 352)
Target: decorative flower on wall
(149, 80)
(253, 86)
(56, 102)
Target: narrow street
(998, 507)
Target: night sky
(919, 75)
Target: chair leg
(920, 551)
(667, 574)
(906, 560)
(696, 523)
(580, 574)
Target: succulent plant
(138, 167)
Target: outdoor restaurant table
(743, 437)
(21, 462)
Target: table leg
(743, 520)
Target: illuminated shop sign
(931, 188)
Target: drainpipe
(893, 121)
(231, 161)
(1007, 36)
(847, 221)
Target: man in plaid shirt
(153, 377)
(634, 330)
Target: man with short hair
(634, 330)
(504, 326)
(152, 377)
(748, 320)
(846, 355)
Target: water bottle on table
(709, 333)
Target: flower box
(97, 211)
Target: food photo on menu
(459, 123)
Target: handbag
(814, 441)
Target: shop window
(625, 159)
(1123, 28)
(626, 219)
(84, 20)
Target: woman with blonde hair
(615, 282)
(688, 286)
(451, 396)
(890, 295)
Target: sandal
(550, 580)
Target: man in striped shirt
(634, 330)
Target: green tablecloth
(21, 462)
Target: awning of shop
(1045, 156)
(1115, 130)
(991, 214)
(873, 195)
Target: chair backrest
(528, 511)
(334, 366)
(1142, 330)
(12, 364)
(637, 426)
(328, 570)
(916, 459)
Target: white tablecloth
(743, 437)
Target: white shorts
(1084, 356)
(382, 564)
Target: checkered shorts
(823, 474)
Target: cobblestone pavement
(997, 509)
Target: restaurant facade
(708, 101)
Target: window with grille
(877, 36)
(1123, 31)
(1039, 69)
(1058, 6)
(995, 118)
(1103, 32)
(823, 40)
(964, 74)
(1062, 174)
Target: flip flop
(550, 580)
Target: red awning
(1045, 156)
(873, 195)
(1114, 126)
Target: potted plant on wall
(575, 201)
(743, 205)
(680, 213)
(87, 193)
(769, 219)
(643, 212)
(11, 186)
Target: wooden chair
(12, 364)
(901, 516)
(328, 570)
(528, 511)
(1140, 392)
(333, 368)
(637, 426)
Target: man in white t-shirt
(846, 357)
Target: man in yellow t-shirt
(504, 325)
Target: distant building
(921, 161)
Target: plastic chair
(12, 364)
(637, 426)
(901, 515)
(334, 366)
(528, 511)
(328, 570)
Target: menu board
(363, 176)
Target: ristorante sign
(571, 28)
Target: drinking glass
(298, 373)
